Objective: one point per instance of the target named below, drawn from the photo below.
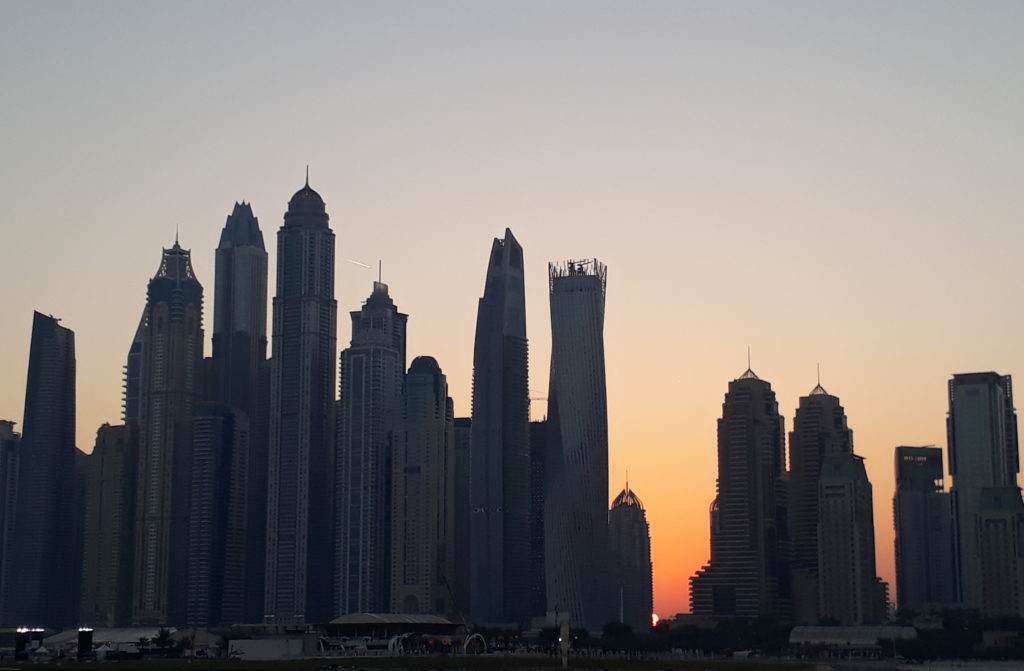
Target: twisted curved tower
(576, 502)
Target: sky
(827, 183)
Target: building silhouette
(461, 538)
(217, 559)
(1000, 544)
(819, 430)
(633, 573)
(537, 585)
(924, 531)
(849, 589)
(372, 368)
(423, 495)
(43, 577)
(982, 435)
(241, 377)
(300, 459)
(170, 385)
(10, 450)
(575, 506)
(109, 528)
(500, 486)
(748, 570)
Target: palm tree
(143, 642)
(164, 638)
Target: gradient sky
(824, 182)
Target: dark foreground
(425, 663)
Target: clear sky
(824, 182)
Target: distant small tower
(629, 538)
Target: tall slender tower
(423, 494)
(171, 361)
(747, 572)
(576, 501)
(10, 451)
(45, 576)
(242, 377)
(924, 531)
(982, 428)
(819, 430)
(633, 572)
(300, 460)
(500, 486)
(370, 403)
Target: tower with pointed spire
(629, 537)
(747, 575)
(300, 450)
(819, 430)
(368, 410)
(170, 366)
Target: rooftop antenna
(748, 357)
(176, 235)
(380, 271)
(307, 175)
(819, 374)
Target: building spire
(749, 373)
(818, 390)
(307, 175)
(176, 235)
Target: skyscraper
(849, 590)
(171, 357)
(219, 509)
(982, 434)
(1000, 545)
(463, 437)
(819, 430)
(300, 460)
(370, 404)
(109, 534)
(241, 376)
(537, 585)
(10, 449)
(43, 578)
(576, 500)
(423, 493)
(633, 572)
(924, 530)
(747, 571)
(500, 486)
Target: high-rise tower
(500, 486)
(423, 495)
(170, 357)
(982, 428)
(819, 430)
(10, 451)
(300, 460)
(633, 572)
(109, 529)
(44, 577)
(746, 576)
(372, 368)
(924, 531)
(848, 590)
(241, 375)
(576, 501)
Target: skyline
(810, 196)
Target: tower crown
(306, 201)
(627, 498)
